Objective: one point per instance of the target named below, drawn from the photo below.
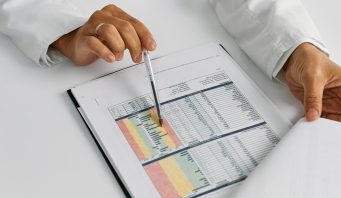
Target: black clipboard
(117, 177)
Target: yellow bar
(176, 176)
(138, 139)
(167, 139)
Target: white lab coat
(34, 24)
(267, 30)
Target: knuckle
(312, 102)
(105, 30)
(109, 7)
(97, 14)
(113, 10)
(135, 21)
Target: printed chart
(210, 139)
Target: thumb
(313, 93)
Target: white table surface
(46, 149)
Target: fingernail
(119, 56)
(110, 58)
(138, 58)
(312, 113)
(151, 44)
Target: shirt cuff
(50, 56)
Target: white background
(47, 151)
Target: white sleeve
(34, 24)
(268, 30)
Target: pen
(150, 73)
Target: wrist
(304, 52)
(63, 44)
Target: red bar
(131, 140)
(160, 180)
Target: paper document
(217, 125)
(305, 164)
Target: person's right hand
(116, 31)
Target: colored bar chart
(176, 176)
(146, 137)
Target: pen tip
(160, 121)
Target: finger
(95, 19)
(119, 56)
(335, 117)
(125, 31)
(98, 48)
(130, 38)
(146, 38)
(111, 38)
(332, 105)
(144, 34)
(313, 92)
(337, 90)
(324, 114)
(334, 73)
(113, 10)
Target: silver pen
(150, 73)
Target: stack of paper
(306, 163)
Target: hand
(315, 80)
(118, 32)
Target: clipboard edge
(112, 169)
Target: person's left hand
(315, 80)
